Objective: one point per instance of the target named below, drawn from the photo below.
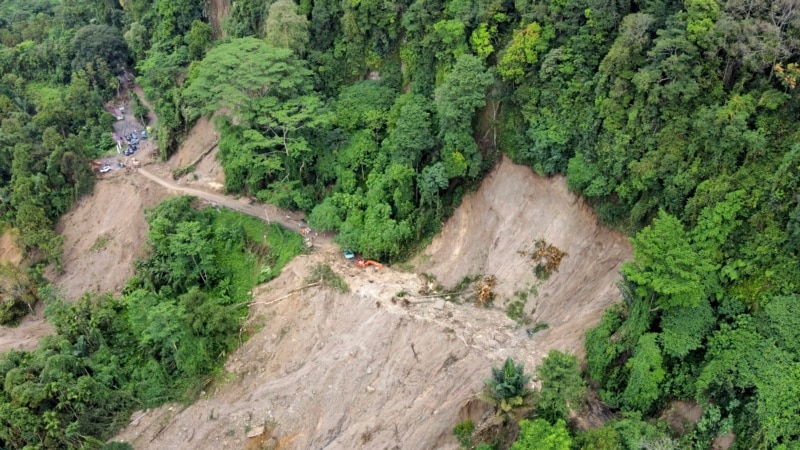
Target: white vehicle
(105, 169)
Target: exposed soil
(332, 370)
(105, 233)
(207, 173)
(218, 10)
(9, 252)
(25, 335)
(494, 233)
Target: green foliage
(18, 293)
(198, 39)
(241, 73)
(521, 53)
(463, 433)
(462, 92)
(480, 40)
(99, 45)
(51, 115)
(666, 264)
(684, 328)
(680, 107)
(646, 375)
(537, 327)
(115, 445)
(516, 312)
(562, 387)
(780, 321)
(601, 351)
(636, 433)
(540, 434)
(322, 273)
(457, 98)
(285, 28)
(507, 391)
(603, 438)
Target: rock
(256, 431)
(439, 304)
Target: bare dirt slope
(368, 370)
(105, 233)
(494, 231)
(207, 173)
(25, 335)
(344, 371)
(9, 253)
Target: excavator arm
(370, 262)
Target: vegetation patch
(18, 293)
(539, 326)
(484, 291)
(100, 243)
(177, 173)
(516, 312)
(546, 258)
(322, 273)
(179, 316)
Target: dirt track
(270, 213)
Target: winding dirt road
(292, 221)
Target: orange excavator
(369, 262)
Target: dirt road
(292, 221)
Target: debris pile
(483, 291)
(547, 258)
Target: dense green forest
(676, 120)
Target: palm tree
(507, 391)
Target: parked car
(105, 168)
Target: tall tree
(239, 74)
(507, 390)
(666, 264)
(285, 28)
(562, 387)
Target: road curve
(266, 212)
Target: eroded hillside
(384, 365)
(494, 233)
